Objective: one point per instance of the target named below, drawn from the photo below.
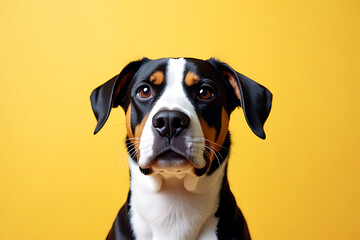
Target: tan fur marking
(157, 78)
(128, 123)
(138, 131)
(224, 129)
(233, 83)
(134, 138)
(191, 79)
(210, 133)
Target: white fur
(173, 212)
(173, 206)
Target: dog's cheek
(138, 132)
(128, 124)
(209, 134)
(134, 135)
(131, 135)
(224, 129)
(214, 142)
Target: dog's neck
(179, 207)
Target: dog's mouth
(172, 161)
(171, 158)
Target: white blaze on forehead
(174, 98)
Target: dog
(177, 114)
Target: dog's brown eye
(144, 92)
(206, 93)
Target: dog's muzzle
(170, 124)
(170, 147)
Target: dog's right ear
(112, 93)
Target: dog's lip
(171, 162)
(170, 152)
(168, 158)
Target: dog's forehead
(152, 66)
(202, 68)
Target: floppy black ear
(254, 98)
(112, 93)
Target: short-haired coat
(177, 114)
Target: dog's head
(178, 111)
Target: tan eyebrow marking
(157, 78)
(191, 79)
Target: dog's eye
(206, 93)
(144, 92)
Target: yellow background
(58, 181)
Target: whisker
(207, 153)
(215, 155)
(132, 143)
(133, 150)
(224, 148)
(188, 153)
(120, 156)
(134, 138)
(123, 163)
(217, 144)
(117, 150)
(133, 155)
(123, 153)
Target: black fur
(255, 102)
(255, 99)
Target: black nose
(170, 123)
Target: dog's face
(178, 111)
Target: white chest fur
(174, 208)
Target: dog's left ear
(112, 93)
(254, 98)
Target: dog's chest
(173, 213)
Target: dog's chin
(171, 163)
